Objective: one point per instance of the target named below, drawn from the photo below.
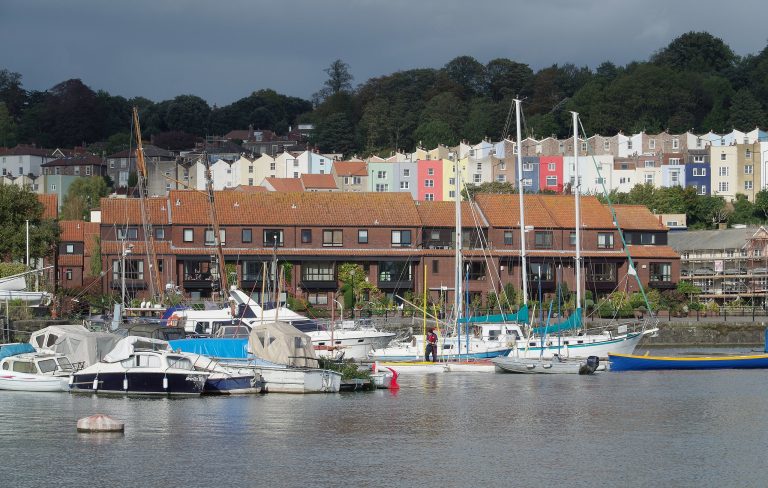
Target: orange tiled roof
(298, 208)
(323, 182)
(286, 184)
(50, 205)
(350, 168)
(90, 235)
(544, 211)
(72, 230)
(70, 260)
(247, 188)
(443, 214)
(122, 211)
(653, 252)
(139, 248)
(635, 217)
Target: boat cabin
(48, 364)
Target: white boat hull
(290, 380)
(355, 344)
(32, 382)
(591, 345)
(414, 367)
(541, 366)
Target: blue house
(531, 174)
(697, 171)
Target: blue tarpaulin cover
(7, 350)
(231, 348)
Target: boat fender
(549, 343)
(125, 382)
(165, 382)
(95, 385)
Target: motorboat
(350, 341)
(24, 369)
(554, 365)
(141, 366)
(82, 346)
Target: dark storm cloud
(223, 50)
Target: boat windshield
(47, 365)
(24, 367)
(177, 362)
(64, 364)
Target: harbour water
(613, 429)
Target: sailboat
(579, 345)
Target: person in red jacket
(431, 346)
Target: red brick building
(389, 234)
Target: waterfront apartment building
(389, 234)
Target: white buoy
(99, 423)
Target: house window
(650, 163)
(476, 178)
(295, 175)
(675, 143)
(273, 237)
(88, 171)
(652, 144)
(661, 272)
(629, 144)
(250, 181)
(406, 173)
(723, 170)
(722, 186)
(543, 239)
(605, 240)
(250, 169)
(722, 156)
(134, 269)
(748, 169)
(584, 146)
(209, 237)
(317, 298)
(551, 166)
(160, 266)
(70, 248)
(451, 181)
(306, 236)
(430, 171)
(429, 183)
(401, 238)
(748, 154)
(572, 238)
(429, 197)
(699, 172)
(540, 271)
(527, 182)
(159, 233)
(508, 237)
(381, 175)
(131, 234)
(362, 236)
(551, 180)
(247, 235)
(606, 145)
(404, 185)
(747, 185)
(698, 159)
(382, 187)
(318, 272)
(332, 238)
(452, 194)
(674, 161)
(189, 235)
(501, 178)
(649, 178)
(603, 272)
(702, 190)
(69, 274)
(527, 166)
(271, 166)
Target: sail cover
(520, 316)
(572, 322)
(282, 343)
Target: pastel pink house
(430, 180)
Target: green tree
(118, 142)
(468, 74)
(188, 113)
(698, 52)
(16, 206)
(12, 93)
(84, 195)
(354, 284)
(335, 134)
(508, 79)
(746, 112)
(7, 127)
(339, 80)
(430, 134)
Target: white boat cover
(75, 341)
(282, 343)
(126, 346)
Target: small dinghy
(556, 365)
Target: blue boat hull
(631, 362)
(228, 385)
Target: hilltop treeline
(695, 83)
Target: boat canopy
(75, 341)
(520, 316)
(128, 345)
(572, 322)
(8, 350)
(282, 343)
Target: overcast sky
(222, 50)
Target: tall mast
(155, 280)
(577, 187)
(215, 225)
(523, 257)
(457, 299)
